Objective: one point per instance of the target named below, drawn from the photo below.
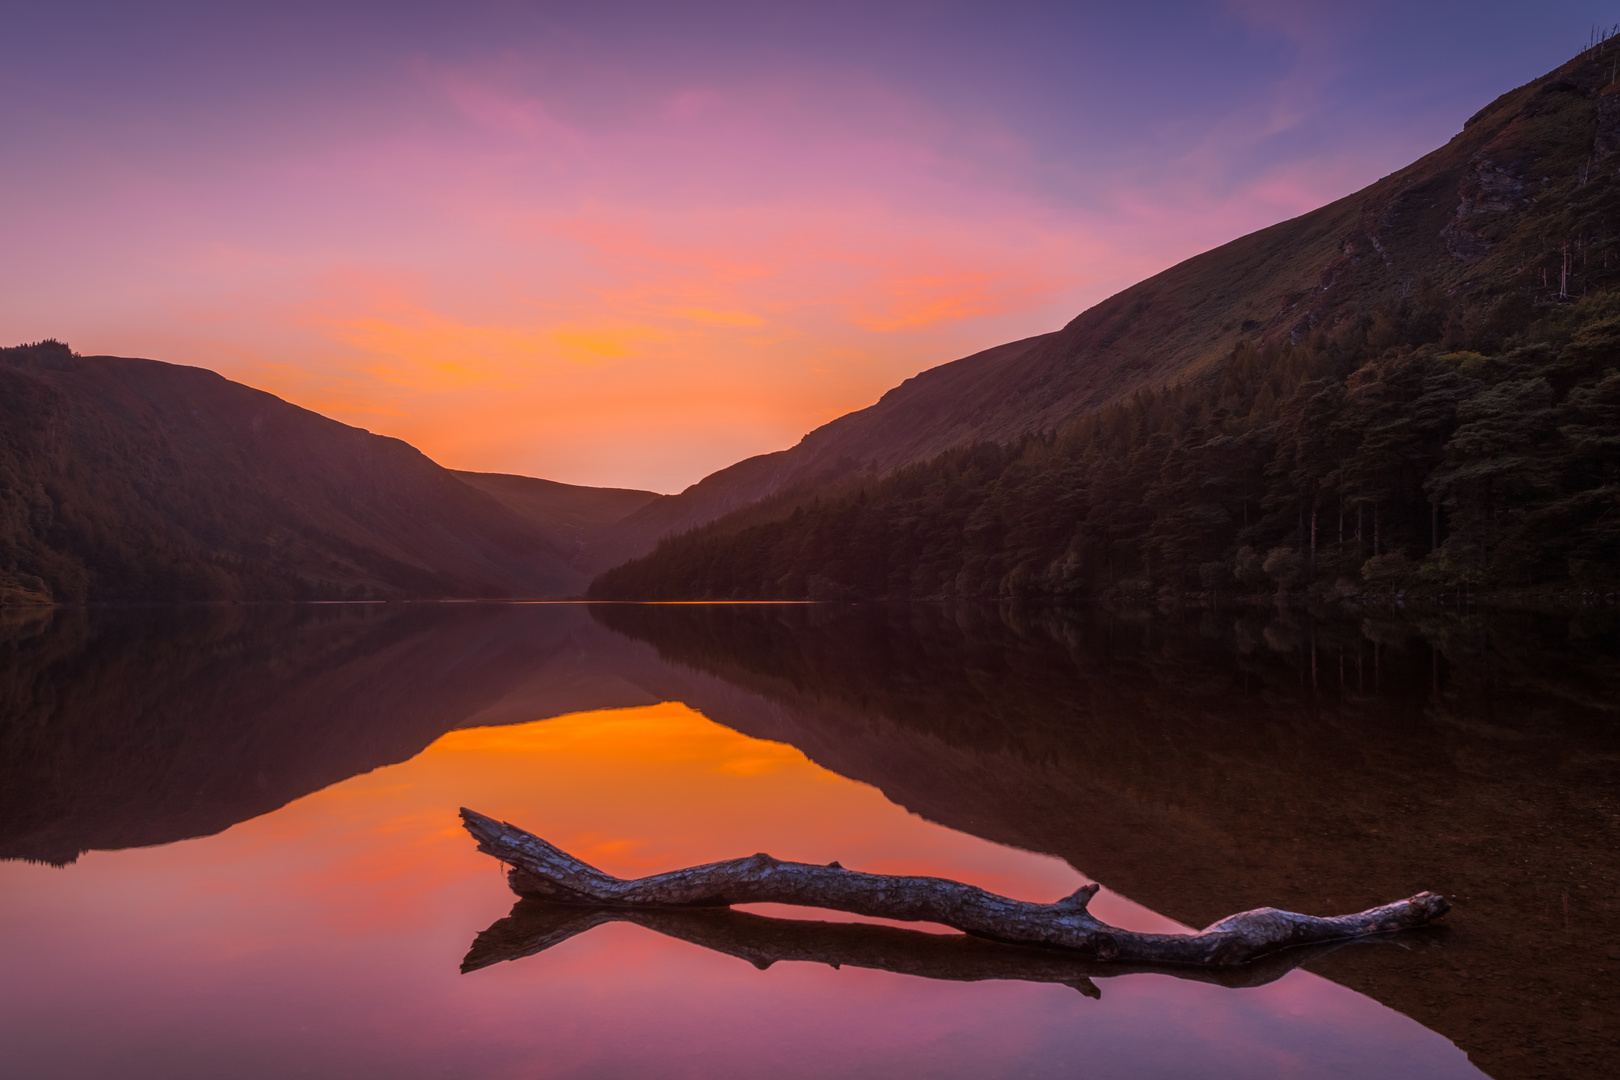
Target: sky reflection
(323, 939)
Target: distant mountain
(135, 480)
(1421, 373)
(576, 516)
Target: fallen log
(546, 872)
(537, 925)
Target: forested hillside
(1343, 463)
(1451, 430)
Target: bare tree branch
(546, 872)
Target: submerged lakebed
(233, 844)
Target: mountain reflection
(1223, 762)
(127, 728)
(1199, 765)
(536, 925)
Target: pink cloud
(707, 273)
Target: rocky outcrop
(1487, 191)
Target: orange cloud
(719, 318)
(645, 301)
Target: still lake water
(233, 847)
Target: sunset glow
(628, 246)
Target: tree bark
(546, 872)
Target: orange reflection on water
(636, 791)
(324, 939)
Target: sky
(630, 243)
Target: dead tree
(545, 872)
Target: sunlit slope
(1482, 221)
(130, 479)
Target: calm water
(233, 848)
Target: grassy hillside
(1438, 411)
(134, 480)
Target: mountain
(576, 515)
(1421, 373)
(135, 480)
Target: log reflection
(537, 925)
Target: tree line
(1426, 445)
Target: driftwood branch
(545, 872)
(537, 925)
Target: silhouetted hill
(576, 516)
(134, 480)
(1423, 373)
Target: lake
(232, 847)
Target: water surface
(243, 854)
